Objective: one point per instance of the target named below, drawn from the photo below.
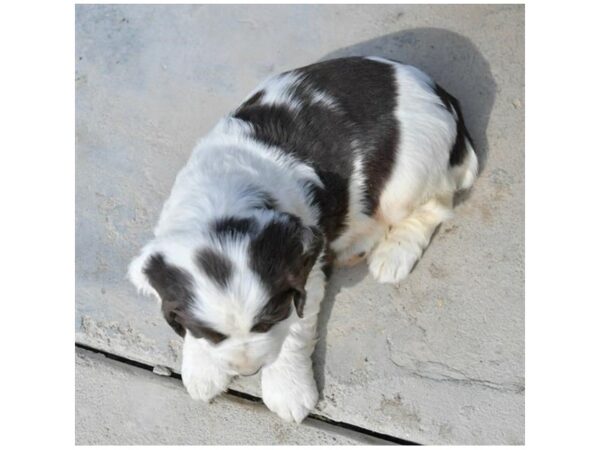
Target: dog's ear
(152, 275)
(312, 244)
(283, 254)
(136, 273)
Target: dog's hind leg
(403, 244)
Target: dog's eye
(278, 308)
(214, 336)
(207, 333)
(262, 327)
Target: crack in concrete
(370, 437)
(443, 373)
(463, 380)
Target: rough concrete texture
(118, 404)
(438, 359)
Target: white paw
(204, 383)
(391, 261)
(289, 392)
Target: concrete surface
(438, 359)
(118, 404)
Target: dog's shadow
(457, 65)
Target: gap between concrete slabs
(354, 432)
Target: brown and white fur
(358, 158)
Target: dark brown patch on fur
(217, 267)
(174, 286)
(329, 139)
(459, 149)
(232, 227)
(277, 255)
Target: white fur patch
(202, 378)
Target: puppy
(347, 159)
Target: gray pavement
(118, 404)
(438, 359)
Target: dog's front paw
(204, 383)
(289, 394)
(391, 261)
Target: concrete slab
(118, 404)
(436, 360)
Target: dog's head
(239, 285)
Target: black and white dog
(342, 160)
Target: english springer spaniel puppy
(343, 160)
